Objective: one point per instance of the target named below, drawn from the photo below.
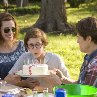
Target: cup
(35, 93)
(60, 93)
(45, 92)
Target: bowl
(78, 90)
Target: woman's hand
(12, 79)
(31, 83)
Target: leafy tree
(75, 3)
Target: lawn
(64, 45)
(68, 49)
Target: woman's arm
(16, 80)
(12, 79)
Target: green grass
(65, 46)
(26, 20)
(73, 15)
(68, 49)
(85, 10)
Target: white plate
(8, 88)
(4, 91)
(41, 95)
(20, 73)
(50, 95)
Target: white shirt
(51, 59)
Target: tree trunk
(22, 3)
(52, 16)
(5, 4)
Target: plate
(41, 95)
(9, 88)
(4, 91)
(20, 73)
(50, 95)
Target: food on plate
(26, 91)
(39, 89)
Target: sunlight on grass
(65, 46)
(26, 20)
(75, 14)
(68, 49)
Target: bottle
(35, 93)
(45, 92)
(60, 93)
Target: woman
(36, 41)
(87, 40)
(10, 47)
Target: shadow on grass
(90, 8)
(55, 33)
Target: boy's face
(35, 46)
(84, 44)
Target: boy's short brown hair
(88, 27)
(35, 33)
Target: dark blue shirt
(7, 60)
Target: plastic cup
(60, 92)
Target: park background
(62, 44)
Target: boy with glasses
(35, 41)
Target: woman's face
(7, 30)
(35, 46)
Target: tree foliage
(75, 3)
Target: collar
(91, 56)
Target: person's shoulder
(51, 54)
(21, 41)
(94, 61)
(21, 46)
(93, 64)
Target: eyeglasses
(7, 29)
(37, 45)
